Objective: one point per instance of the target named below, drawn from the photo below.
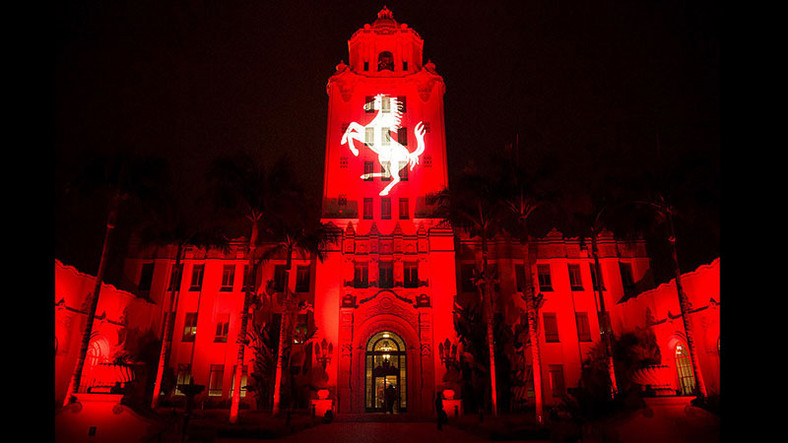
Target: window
(402, 136)
(684, 369)
(427, 161)
(550, 327)
(342, 199)
(302, 278)
(385, 208)
(466, 274)
(189, 327)
(385, 61)
(583, 328)
(215, 381)
(386, 166)
(279, 278)
(369, 104)
(386, 274)
(197, 273)
(228, 277)
(175, 277)
(369, 136)
(519, 277)
(403, 172)
(300, 329)
(222, 327)
(366, 66)
(182, 377)
(343, 161)
(367, 208)
(385, 103)
(626, 278)
(411, 274)
(248, 279)
(385, 136)
(557, 380)
(146, 277)
(361, 274)
(405, 65)
(545, 282)
(426, 127)
(601, 284)
(244, 372)
(369, 168)
(575, 282)
(402, 102)
(404, 211)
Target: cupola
(385, 48)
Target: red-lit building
(383, 300)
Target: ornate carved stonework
(346, 84)
(425, 89)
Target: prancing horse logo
(376, 135)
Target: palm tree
(666, 213)
(592, 202)
(124, 178)
(173, 225)
(248, 189)
(605, 329)
(472, 204)
(520, 201)
(263, 343)
(666, 187)
(294, 230)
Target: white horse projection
(376, 135)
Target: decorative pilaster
(427, 361)
(345, 373)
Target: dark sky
(594, 82)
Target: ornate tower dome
(385, 24)
(385, 47)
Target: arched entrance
(385, 373)
(684, 369)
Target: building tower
(384, 295)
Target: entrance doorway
(684, 369)
(385, 371)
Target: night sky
(597, 85)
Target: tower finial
(385, 13)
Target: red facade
(383, 299)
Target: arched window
(98, 352)
(684, 370)
(385, 370)
(385, 61)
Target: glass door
(382, 385)
(385, 374)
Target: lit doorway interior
(684, 369)
(385, 369)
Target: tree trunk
(283, 338)
(83, 350)
(235, 403)
(686, 307)
(168, 328)
(605, 330)
(533, 334)
(489, 314)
